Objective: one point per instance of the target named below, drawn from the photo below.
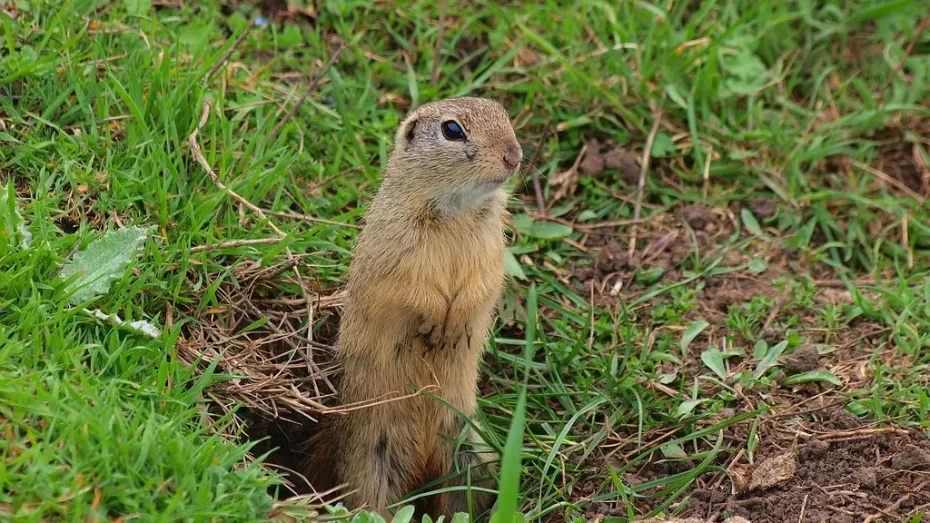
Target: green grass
(785, 101)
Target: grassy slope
(100, 422)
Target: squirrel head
(456, 153)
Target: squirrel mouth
(500, 180)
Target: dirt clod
(836, 479)
(813, 450)
(697, 216)
(804, 359)
(867, 477)
(764, 208)
(774, 471)
(912, 457)
(843, 419)
(845, 478)
(600, 157)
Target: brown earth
(819, 468)
(816, 462)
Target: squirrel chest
(462, 260)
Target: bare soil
(815, 461)
(827, 468)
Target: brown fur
(427, 273)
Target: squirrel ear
(409, 132)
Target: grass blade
(511, 462)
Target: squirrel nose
(512, 156)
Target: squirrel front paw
(454, 335)
(442, 336)
(431, 334)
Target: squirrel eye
(453, 131)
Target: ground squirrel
(426, 276)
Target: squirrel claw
(429, 333)
(427, 338)
(447, 337)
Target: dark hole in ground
(282, 379)
(67, 224)
(282, 438)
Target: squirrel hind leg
(379, 469)
(319, 465)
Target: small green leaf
(741, 155)
(747, 74)
(673, 450)
(290, 37)
(668, 377)
(586, 215)
(713, 358)
(676, 97)
(525, 225)
(550, 230)
(806, 233)
(650, 276)
(522, 223)
(770, 359)
(752, 442)
(237, 22)
(750, 222)
(812, 376)
(759, 350)
(690, 333)
(260, 322)
(663, 146)
(512, 266)
(404, 515)
(686, 407)
(138, 327)
(561, 210)
(102, 262)
(195, 36)
(735, 351)
(665, 356)
(858, 408)
(13, 232)
(746, 65)
(758, 265)
(138, 7)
